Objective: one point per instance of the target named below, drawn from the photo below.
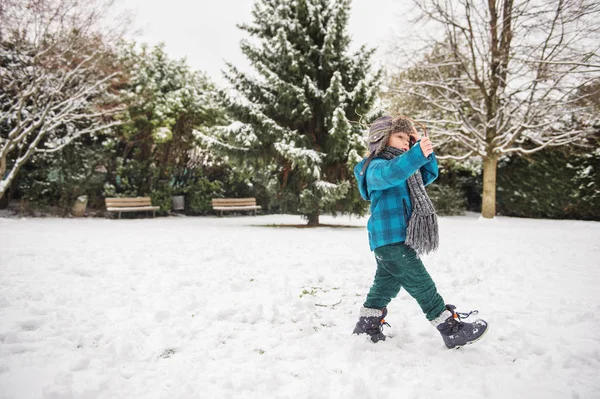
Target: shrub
(200, 194)
(447, 200)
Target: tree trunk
(3, 190)
(488, 208)
(2, 172)
(313, 219)
(6, 192)
(2, 167)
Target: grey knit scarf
(422, 233)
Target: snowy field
(225, 308)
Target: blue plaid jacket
(384, 183)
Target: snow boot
(455, 332)
(371, 321)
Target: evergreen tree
(154, 148)
(296, 118)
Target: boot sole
(475, 340)
(370, 337)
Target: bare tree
(506, 77)
(55, 72)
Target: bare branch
(457, 157)
(567, 138)
(57, 75)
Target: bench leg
(153, 214)
(119, 215)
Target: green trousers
(399, 266)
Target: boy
(402, 226)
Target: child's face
(400, 141)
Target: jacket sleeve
(429, 171)
(382, 174)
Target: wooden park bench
(235, 204)
(130, 205)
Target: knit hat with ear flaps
(379, 134)
(381, 130)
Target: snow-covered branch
(501, 73)
(55, 79)
(503, 77)
(212, 141)
(559, 140)
(59, 144)
(458, 157)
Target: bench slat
(133, 209)
(234, 204)
(119, 204)
(234, 199)
(128, 202)
(122, 201)
(236, 208)
(133, 199)
(227, 201)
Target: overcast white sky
(205, 31)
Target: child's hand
(426, 146)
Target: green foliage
(53, 182)
(198, 184)
(152, 153)
(133, 178)
(155, 153)
(199, 196)
(560, 183)
(161, 196)
(447, 200)
(219, 180)
(457, 188)
(295, 123)
(557, 183)
(463, 176)
(165, 98)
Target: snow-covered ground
(226, 308)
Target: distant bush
(558, 183)
(447, 200)
(199, 196)
(52, 183)
(161, 196)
